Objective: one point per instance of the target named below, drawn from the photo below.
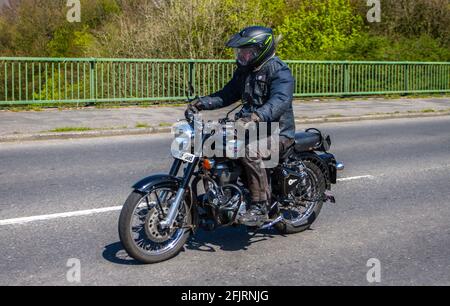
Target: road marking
(354, 178)
(110, 209)
(59, 216)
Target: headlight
(184, 137)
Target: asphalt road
(399, 215)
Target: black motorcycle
(165, 209)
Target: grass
(70, 129)
(34, 108)
(165, 124)
(427, 111)
(142, 125)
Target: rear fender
(322, 162)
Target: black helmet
(253, 46)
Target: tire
(125, 233)
(288, 227)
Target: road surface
(393, 205)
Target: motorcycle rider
(266, 86)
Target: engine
(223, 196)
(226, 172)
(223, 202)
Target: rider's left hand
(249, 118)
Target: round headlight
(183, 142)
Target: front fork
(175, 206)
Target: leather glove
(194, 107)
(249, 118)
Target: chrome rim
(144, 230)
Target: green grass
(165, 124)
(142, 125)
(34, 108)
(428, 111)
(71, 129)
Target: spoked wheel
(139, 226)
(307, 202)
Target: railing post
(192, 74)
(406, 77)
(346, 79)
(92, 79)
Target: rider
(266, 86)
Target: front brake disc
(152, 226)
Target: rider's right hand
(194, 108)
(198, 104)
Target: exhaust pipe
(277, 220)
(340, 166)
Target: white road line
(356, 178)
(109, 209)
(59, 216)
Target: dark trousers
(256, 174)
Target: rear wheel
(306, 202)
(139, 226)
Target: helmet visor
(246, 55)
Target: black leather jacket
(268, 92)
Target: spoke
(159, 204)
(148, 202)
(139, 221)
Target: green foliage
(318, 28)
(382, 48)
(56, 88)
(69, 42)
(40, 27)
(416, 30)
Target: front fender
(146, 184)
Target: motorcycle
(164, 210)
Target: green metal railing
(87, 80)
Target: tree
(318, 28)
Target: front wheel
(140, 231)
(306, 203)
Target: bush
(318, 29)
(312, 29)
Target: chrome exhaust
(277, 220)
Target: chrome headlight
(184, 137)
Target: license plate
(187, 157)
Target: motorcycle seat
(306, 141)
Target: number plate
(187, 157)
